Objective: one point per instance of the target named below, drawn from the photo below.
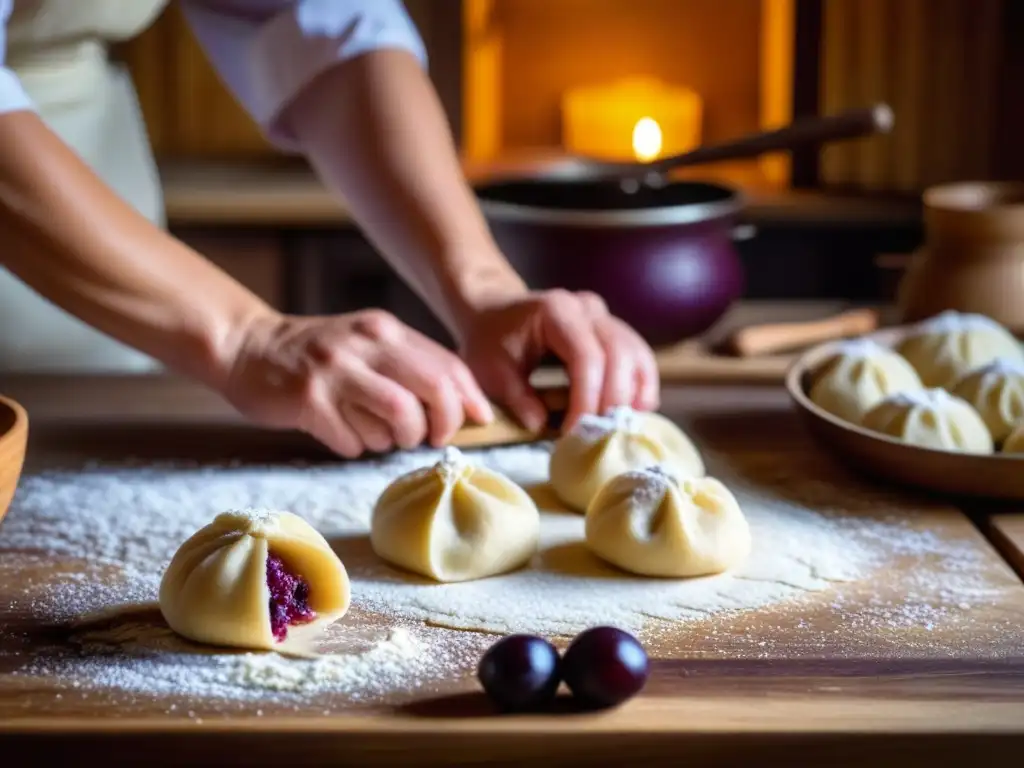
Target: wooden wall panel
(937, 63)
(148, 57)
(188, 110)
(191, 114)
(547, 46)
(440, 25)
(255, 259)
(1008, 151)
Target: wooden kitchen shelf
(287, 194)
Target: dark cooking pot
(661, 253)
(663, 258)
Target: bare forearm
(68, 236)
(377, 135)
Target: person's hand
(607, 362)
(356, 382)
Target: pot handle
(742, 232)
(851, 124)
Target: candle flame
(646, 139)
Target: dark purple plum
(604, 667)
(520, 673)
(289, 598)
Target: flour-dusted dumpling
(1015, 442)
(858, 376)
(948, 346)
(257, 579)
(996, 391)
(930, 418)
(455, 522)
(652, 523)
(600, 447)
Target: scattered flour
(254, 521)
(935, 398)
(648, 486)
(150, 659)
(862, 347)
(451, 465)
(125, 523)
(999, 370)
(275, 673)
(593, 427)
(952, 321)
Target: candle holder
(639, 119)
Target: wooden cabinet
(191, 114)
(188, 110)
(254, 257)
(337, 270)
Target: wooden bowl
(998, 476)
(13, 438)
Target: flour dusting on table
(127, 522)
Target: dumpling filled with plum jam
(257, 579)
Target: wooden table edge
(875, 715)
(1005, 531)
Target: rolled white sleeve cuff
(268, 63)
(12, 96)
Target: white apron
(58, 48)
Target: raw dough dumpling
(600, 447)
(651, 523)
(950, 345)
(858, 376)
(1015, 442)
(257, 579)
(996, 391)
(455, 522)
(931, 418)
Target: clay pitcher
(972, 259)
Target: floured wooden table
(918, 655)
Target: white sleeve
(267, 57)
(12, 96)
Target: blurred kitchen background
(526, 80)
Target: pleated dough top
(600, 447)
(454, 521)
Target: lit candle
(633, 119)
(646, 139)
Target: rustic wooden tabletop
(821, 680)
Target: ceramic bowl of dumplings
(949, 473)
(13, 439)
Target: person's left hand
(607, 362)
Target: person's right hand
(355, 382)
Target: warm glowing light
(630, 120)
(646, 139)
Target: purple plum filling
(289, 598)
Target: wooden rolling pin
(505, 430)
(554, 392)
(779, 337)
